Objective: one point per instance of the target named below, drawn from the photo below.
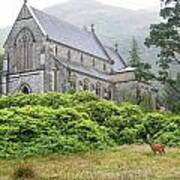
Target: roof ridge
(124, 63)
(30, 8)
(75, 28)
(102, 46)
(118, 54)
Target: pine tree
(1, 60)
(142, 70)
(172, 98)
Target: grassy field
(125, 162)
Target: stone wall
(79, 58)
(32, 79)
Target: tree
(172, 98)
(142, 70)
(166, 37)
(1, 59)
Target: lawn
(125, 162)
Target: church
(46, 54)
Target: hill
(113, 23)
(3, 34)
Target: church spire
(25, 1)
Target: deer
(156, 148)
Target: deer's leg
(163, 150)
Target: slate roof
(118, 61)
(69, 34)
(72, 36)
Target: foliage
(172, 97)
(143, 74)
(1, 58)
(166, 37)
(55, 122)
(142, 70)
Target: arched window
(86, 85)
(104, 67)
(72, 81)
(93, 88)
(109, 93)
(105, 93)
(80, 85)
(24, 50)
(69, 55)
(98, 89)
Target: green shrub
(101, 111)
(65, 123)
(155, 123)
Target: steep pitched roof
(69, 34)
(119, 63)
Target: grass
(125, 162)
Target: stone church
(44, 54)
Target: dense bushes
(54, 122)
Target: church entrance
(25, 89)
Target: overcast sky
(10, 8)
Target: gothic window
(105, 93)
(64, 86)
(109, 93)
(86, 85)
(93, 88)
(104, 67)
(80, 85)
(24, 50)
(69, 55)
(72, 81)
(98, 89)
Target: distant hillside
(117, 24)
(3, 34)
